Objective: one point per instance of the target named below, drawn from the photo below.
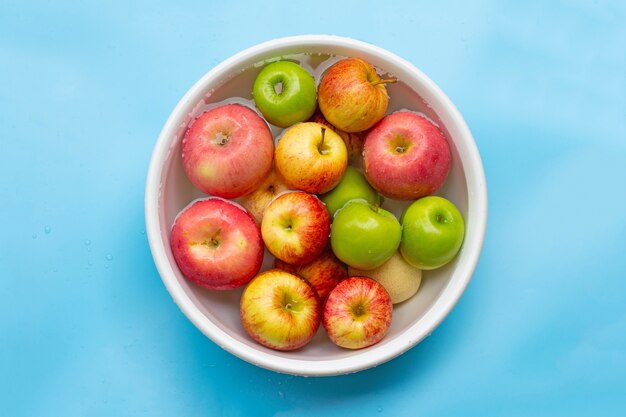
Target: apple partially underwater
(352, 96)
(363, 235)
(227, 152)
(311, 157)
(357, 313)
(295, 227)
(324, 272)
(217, 244)
(285, 93)
(256, 201)
(352, 186)
(280, 310)
(406, 156)
(432, 232)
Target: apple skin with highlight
(357, 313)
(311, 157)
(296, 227)
(352, 96)
(280, 310)
(432, 232)
(227, 151)
(217, 244)
(406, 157)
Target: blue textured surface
(88, 329)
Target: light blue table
(88, 329)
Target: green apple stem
(385, 81)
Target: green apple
(432, 232)
(363, 235)
(353, 185)
(285, 93)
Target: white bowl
(216, 313)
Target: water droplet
(87, 242)
(109, 257)
(281, 395)
(379, 409)
(34, 236)
(47, 229)
(90, 262)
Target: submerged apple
(258, 200)
(353, 185)
(324, 273)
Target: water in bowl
(222, 307)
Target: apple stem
(385, 81)
(321, 148)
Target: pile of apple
(340, 258)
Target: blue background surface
(86, 325)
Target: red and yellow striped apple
(352, 96)
(296, 227)
(311, 157)
(280, 310)
(357, 313)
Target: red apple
(353, 141)
(352, 96)
(311, 157)
(296, 227)
(256, 201)
(406, 156)
(357, 313)
(324, 273)
(228, 151)
(217, 244)
(280, 310)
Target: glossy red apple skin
(352, 96)
(357, 313)
(217, 244)
(406, 157)
(296, 227)
(324, 273)
(280, 310)
(228, 151)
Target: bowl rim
(376, 355)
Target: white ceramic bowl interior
(216, 313)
